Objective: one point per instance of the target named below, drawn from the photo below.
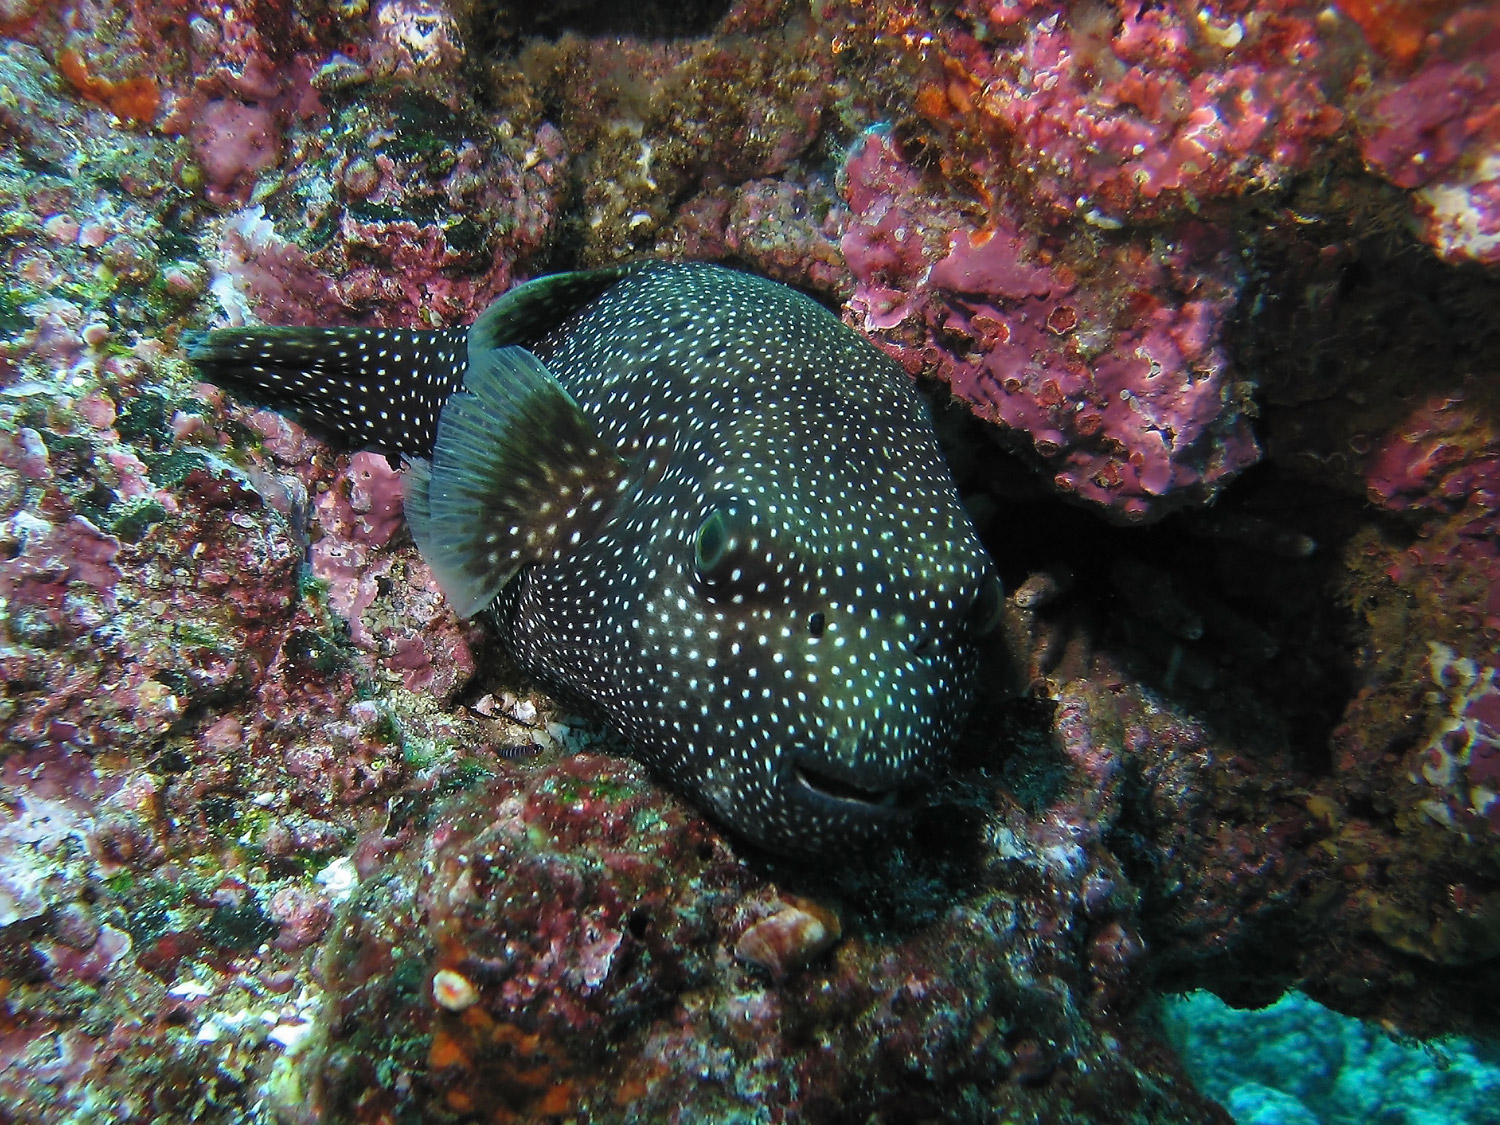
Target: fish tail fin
(364, 387)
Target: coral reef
(659, 125)
(1137, 419)
(559, 944)
(1207, 297)
(1429, 122)
(1296, 1061)
(1061, 278)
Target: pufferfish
(699, 507)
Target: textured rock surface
(281, 837)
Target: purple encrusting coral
(281, 838)
(1436, 131)
(1121, 387)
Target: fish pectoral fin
(518, 475)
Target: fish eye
(711, 544)
(984, 614)
(816, 623)
(721, 545)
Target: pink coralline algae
(380, 235)
(784, 229)
(1117, 381)
(1437, 131)
(1442, 468)
(337, 141)
(71, 583)
(1119, 152)
(235, 142)
(1136, 111)
(50, 558)
(261, 273)
(415, 39)
(275, 833)
(394, 608)
(561, 943)
(360, 244)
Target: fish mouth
(823, 786)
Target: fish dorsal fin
(529, 311)
(518, 475)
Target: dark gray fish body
(701, 506)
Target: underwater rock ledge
(1209, 294)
